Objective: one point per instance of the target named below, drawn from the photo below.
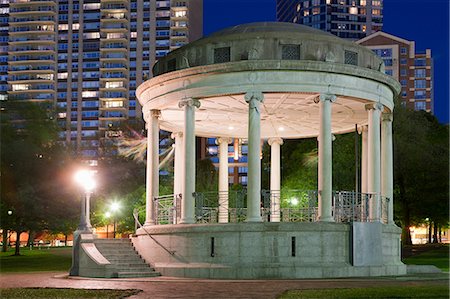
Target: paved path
(170, 287)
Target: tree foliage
(32, 170)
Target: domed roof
(269, 28)
(290, 43)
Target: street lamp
(114, 208)
(85, 179)
(107, 215)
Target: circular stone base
(270, 250)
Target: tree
(31, 160)
(420, 169)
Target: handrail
(136, 219)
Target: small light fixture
(281, 129)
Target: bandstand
(270, 81)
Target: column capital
(226, 140)
(325, 97)
(374, 106)
(362, 129)
(273, 140)
(387, 116)
(189, 102)
(254, 95)
(176, 135)
(155, 113)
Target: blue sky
(424, 21)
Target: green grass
(54, 259)
(438, 257)
(378, 292)
(51, 293)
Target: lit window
(182, 13)
(18, 87)
(362, 2)
(89, 94)
(76, 26)
(114, 84)
(376, 3)
(353, 10)
(299, 7)
(316, 10)
(90, 6)
(91, 35)
(62, 115)
(364, 28)
(133, 34)
(306, 13)
(376, 12)
(63, 26)
(114, 104)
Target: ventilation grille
(351, 58)
(290, 52)
(222, 55)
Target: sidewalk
(171, 287)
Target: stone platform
(272, 250)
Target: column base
(187, 221)
(326, 219)
(254, 219)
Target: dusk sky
(425, 22)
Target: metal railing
(284, 206)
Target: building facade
(349, 19)
(414, 70)
(87, 58)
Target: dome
(268, 41)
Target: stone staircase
(125, 261)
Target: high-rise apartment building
(413, 70)
(350, 19)
(88, 57)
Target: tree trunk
(406, 233)
(18, 233)
(5, 240)
(435, 233)
(430, 227)
(440, 233)
(31, 235)
(65, 239)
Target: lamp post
(107, 215)
(115, 206)
(85, 179)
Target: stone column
(152, 178)
(364, 159)
(187, 200)
(387, 168)
(275, 178)
(325, 158)
(223, 178)
(364, 152)
(177, 171)
(254, 163)
(373, 160)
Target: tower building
(87, 58)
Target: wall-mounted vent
(290, 52)
(351, 58)
(222, 55)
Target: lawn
(54, 259)
(438, 257)
(51, 293)
(379, 292)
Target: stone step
(137, 274)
